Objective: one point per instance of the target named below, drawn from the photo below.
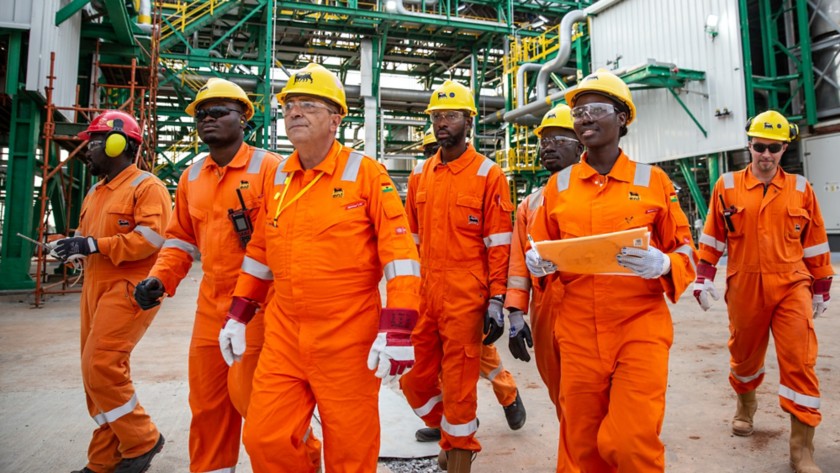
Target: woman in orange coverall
(614, 332)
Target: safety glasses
(307, 106)
(92, 145)
(761, 147)
(558, 141)
(447, 116)
(593, 111)
(214, 112)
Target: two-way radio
(242, 225)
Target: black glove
(148, 293)
(520, 334)
(494, 320)
(69, 247)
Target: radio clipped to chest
(241, 221)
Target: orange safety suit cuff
(170, 284)
(709, 256)
(403, 300)
(822, 272)
(517, 298)
(498, 289)
(677, 269)
(251, 287)
(104, 245)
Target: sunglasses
(563, 141)
(448, 116)
(761, 147)
(92, 145)
(307, 106)
(593, 111)
(214, 112)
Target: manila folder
(593, 254)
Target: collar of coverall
(240, 159)
(778, 179)
(327, 165)
(457, 165)
(128, 173)
(622, 170)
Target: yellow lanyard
(280, 206)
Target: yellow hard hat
(316, 80)
(429, 138)
(217, 88)
(559, 116)
(772, 125)
(605, 83)
(452, 96)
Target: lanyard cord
(280, 206)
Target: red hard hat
(107, 121)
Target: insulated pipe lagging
(563, 54)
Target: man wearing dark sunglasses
(202, 227)
(778, 278)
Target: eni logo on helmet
(551, 115)
(303, 77)
(768, 125)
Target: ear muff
(116, 140)
(749, 124)
(794, 131)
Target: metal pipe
(400, 8)
(530, 114)
(562, 55)
(521, 99)
(144, 17)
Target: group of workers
(293, 249)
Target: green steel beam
(714, 170)
(807, 64)
(743, 15)
(199, 23)
(13, 62)
(16, 254)
(69, 10)
(266, 53)
(688, 111)
(693, 188)
(118, 19)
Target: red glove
(391, 353)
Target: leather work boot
(515, 413)
(427, 434)
(141, 463)
(742, 423)
(456, 460)
(802, 447)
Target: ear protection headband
(793, 129)
(116, 140)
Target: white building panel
(822, 170)
(15, 14)
(45, 38)
(669, 31)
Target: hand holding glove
(520, 334)
(232, 336)
(538, 266)
(391, 353)
(704, 286)
(73, 248)
(494, 320)
(148, 292)
(648, 264)
(821, 288)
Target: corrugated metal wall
(673, 32)
(15, 14)
(44, 38)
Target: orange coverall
(615, 332)
(546, 352)
(491, 369)
(340, 226)
(778, 247)
(126, 216)
(460, 215)
(201, 227)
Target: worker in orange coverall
(459, 208)
(559, 149)
(614, 332)
(490, 368)
(778, 278)
(119, 235)
(216, 206)
(332, 224)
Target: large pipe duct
(563, 54)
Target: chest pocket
(199, 224)
(468, 214)
(339, 218)
(796, 221)
(121, 218)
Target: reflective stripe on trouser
(111, 326)
(614, 367)
(759, 303)
(504, 386)
(447, 347)
(315, 352)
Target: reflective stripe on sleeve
(519, 282)
(256, 161)
(188, 248)
(497, 239)
(142, 177)
(195, 169)
(709, 240)
(642, 176)
(800, 183)
(401, 267)
(728, 181)
(351, 170)
(816, 250)
(114, 414)
(686, 250)
(563, 178)
(150, 235)
(256, 269)
(485, 167)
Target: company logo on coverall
(338, 192)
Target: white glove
(648, 264)
(390, 355)
(822, 294)
(538, 266)
(232, 341)
(704, 285)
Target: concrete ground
(46, 426)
